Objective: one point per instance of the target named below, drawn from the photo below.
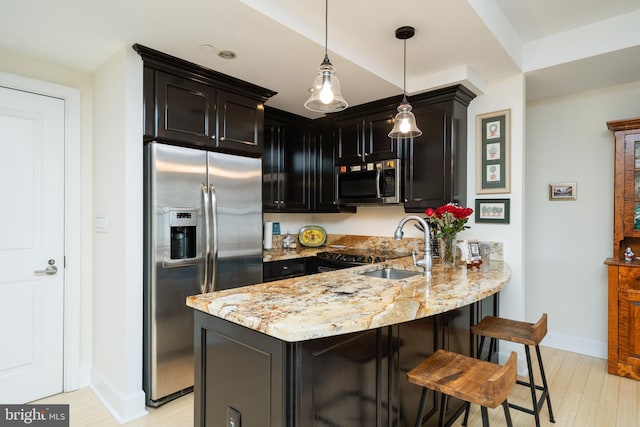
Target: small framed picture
(492, 210)
(493, 167)
(563, 191)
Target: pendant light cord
(404, 84)
(326, 27)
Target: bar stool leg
(467, 407)
(507, 413)
(532, 386)
(544, 384)
(443, 409)
(485, 416)
(423, 397)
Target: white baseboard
(576, 345)
(124, 408)
(558, 341)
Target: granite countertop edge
(344, 301)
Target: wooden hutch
(624, 276)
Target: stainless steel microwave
(373, 183)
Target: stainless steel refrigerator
(203, 232)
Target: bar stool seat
(474, 381)
(529, 334)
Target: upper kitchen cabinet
(287, 163)
(240, 123)
(364, 137)
(436, 162)
(186, 104)
(298, 164)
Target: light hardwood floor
(582, 395)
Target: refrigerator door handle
(207, 232)
(213, 237)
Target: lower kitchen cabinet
(624, 319)
(350, 380)
(288, 268)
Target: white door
(31, 245)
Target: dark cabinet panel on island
(356, 379)
(190, 105)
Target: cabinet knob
(213, 137)
(638, 278)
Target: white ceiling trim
(501, 28)
(592, 40)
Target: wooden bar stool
(474, 381)
(529, 334)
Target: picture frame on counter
(563, 191)
(492, 211)
(493, 152)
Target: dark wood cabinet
(436, 162)
(365, 138)
(355, 379)
(325, 171)
(189, 105)
(240, 123)
(298, 164)
(288, 268)
(185, 109)
(287, 163)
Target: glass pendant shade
(325, 92)
(404, 125)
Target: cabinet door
(377, 144)
(631, 221)
(350, 140)
(325, 174)
(240, 124)
(185, 109)
(270, 167)
(296, 152)
(629, 329)
(427, 175)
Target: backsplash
(382, 244)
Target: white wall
(117, 261)
(21, 65)
(567, 241)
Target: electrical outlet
(233, 417)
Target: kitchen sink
(390, 273)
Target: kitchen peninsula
(332, 348)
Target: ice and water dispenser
(183, 224)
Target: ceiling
(560, 46)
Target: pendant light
(325, 92)
(404, 125)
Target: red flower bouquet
(449, 219)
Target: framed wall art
(492, 210)
(563, 191)
(493, 169)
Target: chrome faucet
(426, 262)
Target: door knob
(50, 270)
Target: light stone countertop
(341, 301)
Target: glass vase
(447, 249)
